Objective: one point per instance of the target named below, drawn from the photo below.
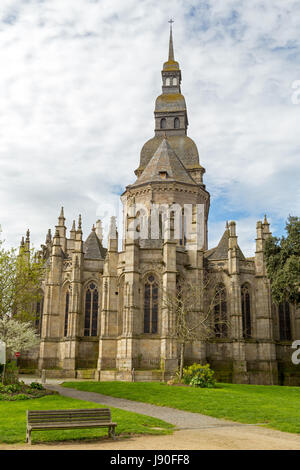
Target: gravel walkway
(181, 419)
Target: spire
(27, 240)
(79, 223)
(61, 218)
(48, 236)
(99, 231)
(171, 64)
(171, 49)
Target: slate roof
(92, 247)
(184, 147)
(221, 251)
(164, 160)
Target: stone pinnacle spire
(61, 218)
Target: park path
(181, 419)
(195, 431)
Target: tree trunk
(181, 361)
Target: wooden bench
(69, 419)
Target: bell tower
(170, 108)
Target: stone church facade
(102, 314)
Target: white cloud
(77, 88)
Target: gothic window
(39, 314)
(174, 81)
(246, 311)
(176, 123)
(151, 305)
(220, 311)
(182, 229)
(284, 322)
(91, 310)
(168, 82)
(67, 307)
(163, 123)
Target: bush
(36, 386)
(198, 375)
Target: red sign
(18, 354)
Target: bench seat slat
(81, 424)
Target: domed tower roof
(164, 166)
(171, 120)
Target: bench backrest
(69, 416)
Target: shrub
(36, 386)
(198, 375)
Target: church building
(102, 313)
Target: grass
(13, 421)
(277, 407)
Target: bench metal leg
(114, 433)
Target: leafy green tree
(283, 263)
(20, 277)
(21, 273)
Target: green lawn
(277, 407)
(13, 421)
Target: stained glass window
(39, 314)
(246, 311)
(151, 305)
(220, 310)
(67, 305)
(91, 311)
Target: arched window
(182, 228)
(176, 123)
(220, 310)
(246, 311)
(168, 81)
(67, 307)
(285, 333)
(151, 305)
(174, 81)
(91, 310)
(163, 123)
(121, 310)
(39, 314)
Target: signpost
(3, 357)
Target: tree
(18, 336)
(283, 263)
(20, 280)
(193, 309)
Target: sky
(78, 83)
